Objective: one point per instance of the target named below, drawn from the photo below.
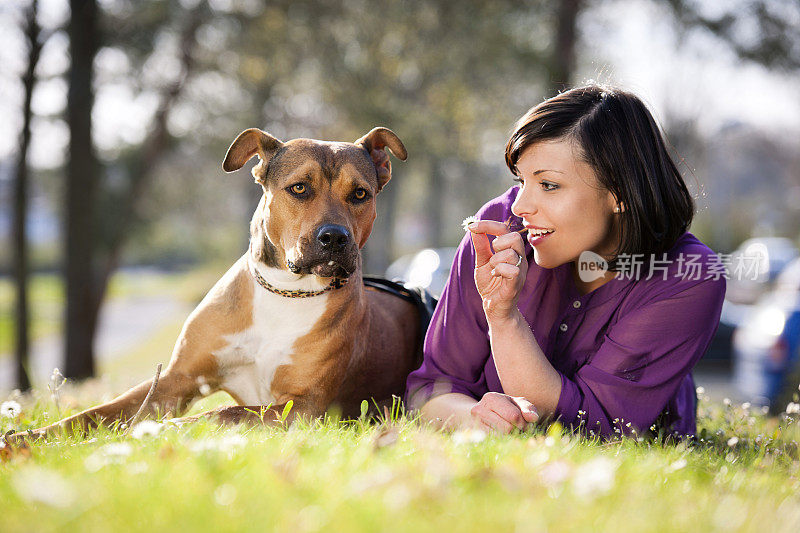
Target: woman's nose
(523, 205)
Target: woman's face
(560, 192)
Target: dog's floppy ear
(249, 143)
(374, 142)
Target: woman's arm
(637, 369)
(521, 365)
(449, 411)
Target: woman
(529, 328)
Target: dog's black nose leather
(332, 237)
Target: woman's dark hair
(621, 141)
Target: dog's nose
(333, 237)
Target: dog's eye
(360, 194)
(298, 188)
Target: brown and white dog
(291, 319)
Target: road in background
(125, 323)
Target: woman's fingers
(505, 240)
(527, 409)
(495, 406)
(509, 241)
(492, 227)
(506, 271)
(491, 418)
(509, 257)
(483, 250)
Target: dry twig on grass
(138, 414)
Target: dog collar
(336, 283)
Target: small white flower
(554, 474)
(146, 428)
(746, 406)
(117, 449)
(35, 484)
(733, 441)
(469, 436)
(677, 465)
(228, 443)
(793, 408)
(701, 391)
(10, 409)
(594, 477)
(467, 221)
(726, 401)
(113, 453)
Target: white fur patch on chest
(249, 360)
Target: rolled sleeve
(642, 360)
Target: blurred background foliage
(175, 81)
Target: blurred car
(765, 345)
(426, 269)
(760, 260)
(719, 355)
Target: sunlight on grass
(367, 475)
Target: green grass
(399, 475)
(386, 476)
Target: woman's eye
(548, 186)
(298, 188)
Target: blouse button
(576, 304)
(563, 327)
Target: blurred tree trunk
(81, 193)
(563, 61)
(22, 338)
(155, 145)
(91, 260)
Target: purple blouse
(624, 351)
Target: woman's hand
(499, 276)
(502, 413)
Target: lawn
(743, 473)
(396, 474)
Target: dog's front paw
(20, 437)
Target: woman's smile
(537, 236)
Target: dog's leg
(174, 393)
(271, 415)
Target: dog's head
(318, 205)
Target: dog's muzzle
(329, 253)
(333, 238)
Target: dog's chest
(248, 362)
